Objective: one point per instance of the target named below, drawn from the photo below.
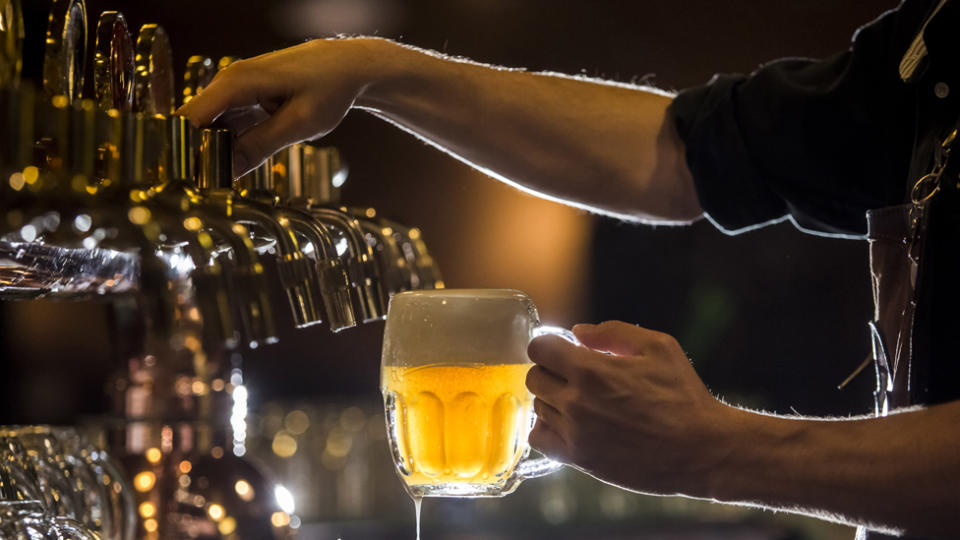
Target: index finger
(553, 353)
(237, 85)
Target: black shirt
(817, 141)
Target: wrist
(381, 64)
(720, 444)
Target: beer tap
(398, 276)
(177, 192)
(173, 188)
(336, 288)
(64, 54)
(312, 177)
(425, 274)
(113, 63)
(215, 181)
(153, 86)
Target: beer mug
(453, 376)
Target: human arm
(640, 418)
(606, 147)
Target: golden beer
(457, 424)
(453, 375)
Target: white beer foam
(458, 326)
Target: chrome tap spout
(312, 177)
(336, 288)
(215, 182)
(397, 274)
(231, 241)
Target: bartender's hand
(300, 93)
(627, 408)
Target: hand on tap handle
(283, 97)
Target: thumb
(614, 337)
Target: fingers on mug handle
(532, 467)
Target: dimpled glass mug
(453, 376)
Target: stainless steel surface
(303, 180)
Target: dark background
(772, 319)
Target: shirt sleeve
(821, 141)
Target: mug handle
(541, 466)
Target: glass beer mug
(453, 376)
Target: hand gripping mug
(453, 376)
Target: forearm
(901, 472)
(610, 148)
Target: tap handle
(315, 173)
(113, 66)
(180, 165)
(64, 55)
(200, 71)
(11, 42)
(153, 79)
(260, 180)
(142, 146)
(216, 159)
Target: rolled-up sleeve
(821, 141)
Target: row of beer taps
(116, 198)
(87, 182)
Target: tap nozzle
(216, 178)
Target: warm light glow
(296, 422)
(192, 223)
(154, 455)
(414, 233)
(31, 174)
(227, 526)
(387, 231)
(185, 466)
(216, 512)
(217, 385)
(16, 181)
(150, 525)
(244, 490)
(371, 213)
(280, 519)
(199, 388)
(144, 481)
(148, 510)
(284, 445)
(216, 452)
(138, 215)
